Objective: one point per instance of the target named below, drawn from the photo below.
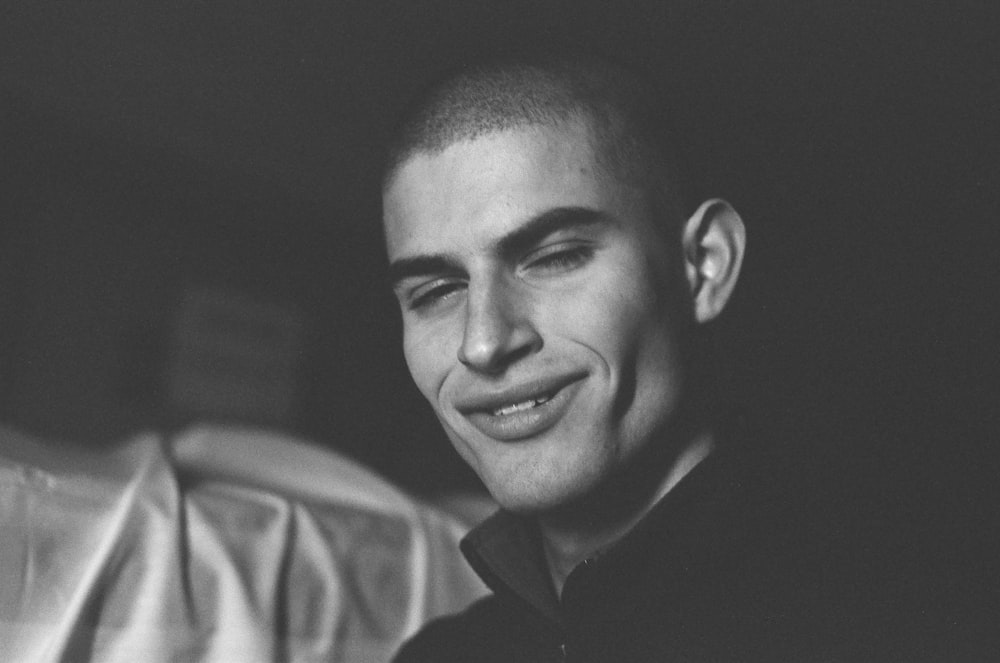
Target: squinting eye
(433, 293)
(562, 259)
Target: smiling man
(554, 290)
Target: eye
(561, 257)
(431, 294)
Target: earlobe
(714, 243)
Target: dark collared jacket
(736, 563)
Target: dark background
(149, 148)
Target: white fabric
(237, 545)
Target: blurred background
(189, 210)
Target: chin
(540, 496)
(537, 476)
(527, 505)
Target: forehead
(474, 189)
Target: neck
(576, 533)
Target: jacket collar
(506, 551)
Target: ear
(714, 241)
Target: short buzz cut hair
(621, 110)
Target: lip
(479, 408)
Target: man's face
(540, 307)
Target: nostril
(497, 331)
(495, 354)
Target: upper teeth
(518, 407)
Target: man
(554, 291)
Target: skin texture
(523, 269)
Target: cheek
(627, 321)
(425, 354)
(612, 315)
(419, 360)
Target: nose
(498, 329)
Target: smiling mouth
(523, 412)
(514, 408)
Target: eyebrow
(518, 240)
